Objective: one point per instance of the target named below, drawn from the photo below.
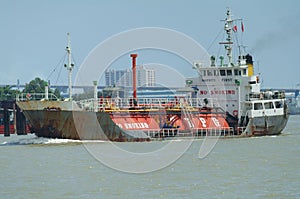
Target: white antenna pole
(69, 66)
(229, 42)
(228, 29)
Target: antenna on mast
(228, 27)
(69, 66)
(228, 43)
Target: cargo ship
(223, 100)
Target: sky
(33, 34)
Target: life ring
(235, 113)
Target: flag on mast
(242, 25)
(235, 28)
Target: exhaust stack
(134, 56)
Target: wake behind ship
(223, 100)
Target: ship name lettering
(227, 79)
(203, 121)
(136, 125)
(203, 92)
(217, 92)
(208, 80)
(222, 92)
(120, 125)
(216, 122)
(189, 122)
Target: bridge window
(222, 73)
(269, 105)
(229, 72)
(258, 106)
(237, 72)
(216, 73)
(209, 73)
(278, 104)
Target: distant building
(118, 77)
(145, 77)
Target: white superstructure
(234, 87)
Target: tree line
(34, 86)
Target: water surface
(261, 167)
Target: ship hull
(261, 126)
(126, 127)
(57, 119)
(79, 125)
(68, 120)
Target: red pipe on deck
(134, 56)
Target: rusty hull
(78, 125)
(59, 119)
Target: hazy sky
(33, 33)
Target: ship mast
(69, 66)
(229, 42)
(228, 29)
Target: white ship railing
(162, 133)
(36, 97)
(214, 132)
(102, 104)
(226, 131)
(119, 103)
(267, 95)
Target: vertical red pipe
(134, 56)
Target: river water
(261, 167)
